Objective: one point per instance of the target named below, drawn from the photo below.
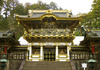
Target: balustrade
(82, 56)
(13, 56)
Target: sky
(77, 6)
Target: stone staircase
(47, 65)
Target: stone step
(47, 65)
(48, 69)
(47, 62)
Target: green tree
(39, 6)
(6, 8)
(3, 23)
(27, 7)
(1, 5)
(12, 23)
(19, 9)
(43, 6)
(13, 4)
(92, 19)
(87, 20)
(96, 13)
(53, 6)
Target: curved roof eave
(26, 17)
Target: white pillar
(41, 52)
(68, 48)
(30, 50)
(56, 52)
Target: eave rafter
(49, 39)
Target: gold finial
(18, 22)
(16, 15)
(48, 11)
(28, 15)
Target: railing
(82, 56)
(72, 65)
(13, 56)
(3, 56)
(22, 64)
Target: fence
(82, 56)
(13, 56)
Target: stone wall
(14, 64)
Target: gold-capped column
(56, 51)
(41, 51)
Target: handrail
(22, 64)
(73, 65)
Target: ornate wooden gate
(49, 54)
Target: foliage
(92, 19)
(87, 20)
(3, 24)
(39, 6)
(27, 7)
(77, 33)
(1, 4)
